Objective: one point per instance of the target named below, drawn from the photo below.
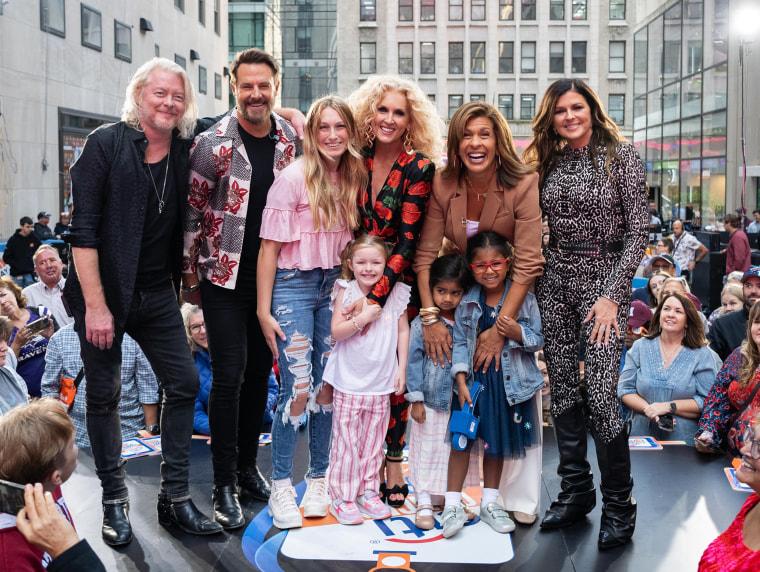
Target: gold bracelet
(429, 320)
(430, 310)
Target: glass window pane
(92, 32)
(456, 13)
(202, 78)
(579, 57)
(655, 54)
(639, 143)
(528, 57)
(405, 10)
(579, 9)
(455, 102)
(122, 41)
(506, 106)
(690, 176)
(617, 9)
(506, 10)
(427, 10)
(478, 97)
(528, 11)
(616, 108)
(671, 204)
(556, 57)
(617, 57)
(640, 62)
(714, 134)
(477, 57)
(53, 17)
(654, 107)
(692, 39)
(405, 58)
(506, 57)
(691, 96)
(427, 57)
(478, 10)
(527, 106)
(671, 102)
(670, 137)
(715, 87)
(556, 9)
(672, 44)
(640, 112)
(716, 32)
(714, 191)
(217, 86)
(456, 57)
(368, 62)
(367, 10)
(691, 142)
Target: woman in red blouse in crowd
(402, 133)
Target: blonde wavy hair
(510, 169)
(547, 145)
(130, 112)
(330, 204)
(425, 125)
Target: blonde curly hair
(425, 125)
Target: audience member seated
(138, 408)
(649, 293)
(41, 228)
(735, 278)
(48, 291)
(728, 332)
(639, 317)
(195, 328)
(12, 386)
(668, 372)
(62, 226)
(731, 298)
(28, 347)
(728, 412)
(38, 448)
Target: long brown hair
(547, 145)
(510, 169)
(750, 351)
(694, 336)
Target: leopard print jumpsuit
(584, 204)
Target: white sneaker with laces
(315, 500)
(283, 508)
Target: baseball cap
(43, 214)
(639, 314)
(754, 271)
(666, 257)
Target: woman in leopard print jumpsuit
(593, 191)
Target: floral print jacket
(397, 215)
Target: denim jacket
(426, 381)
(519, 369)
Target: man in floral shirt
(233, 164)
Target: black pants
(240, 364)
(154, 321)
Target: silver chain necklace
(161, 202)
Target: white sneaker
(315, 501)
(283, 508)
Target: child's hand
(400, 382)
(509, 328)
(370, 312)
(464, 393)
(418, 412)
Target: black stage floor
(684, 502)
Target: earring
(408, 143)
(498, 158)
(369, 135)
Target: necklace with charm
(161, 202)
(470, 185)
(666, 361)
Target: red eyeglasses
(496, 266)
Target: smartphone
(666, 422)
(38, 325)
(11, 497)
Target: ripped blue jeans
(301, 305)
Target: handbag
(69, 388)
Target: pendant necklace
(669, 359)
(163, 189)
(469, 184)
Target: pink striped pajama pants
(358, 430)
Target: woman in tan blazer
(484, 186)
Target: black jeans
(240, 364)
(154, 321)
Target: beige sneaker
(315, 500)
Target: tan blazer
(514, 213)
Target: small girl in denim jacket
(508, 407)
(429, 391)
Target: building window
(427, 11)
(246, 29)
(616, 108)
(368, 59)
(180, 5)
(405, 11)
(455, 102)
(202, 12)
(477, 57)
(217, 18)
(527, 106)
(506, 105)
(92, 30)
(303, 39)
(122, 40)
(431, 97)
(579, 57)
(456, 13)
(617, 57)
(405, 57)
(556, 57)
(53, 17)
(180, 61)
(556, 9)
(478, 97)
(456, 57)
(427, 57)
(617, 10)
(367, 10)
(506, 57)
(217, 86)
(506, 9)
(579, 9)
(202, 80)
(478, 10)
(528, 57)
(156, 51)
(528, 10)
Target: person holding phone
(30, 335)
(668, 373)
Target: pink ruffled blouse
(728, 552)
(287, 219)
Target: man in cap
(729, 331)
(41, 227)
(663, 262)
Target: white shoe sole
(341, 520)
(312, 512)
(283, 525)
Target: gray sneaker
(452, 519)
(496, 517)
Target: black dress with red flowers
(397, 216)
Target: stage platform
(684, 502)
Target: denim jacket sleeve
(415, 369)
(530, 324)
(460, 357)
(631, 370)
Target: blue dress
(506, 430)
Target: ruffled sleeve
(398, 299)
(280, 221)
(340, 284)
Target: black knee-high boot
(619, 506)
(578, 496)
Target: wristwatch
(673, 406)
(155, 429)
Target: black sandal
(396, 490)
